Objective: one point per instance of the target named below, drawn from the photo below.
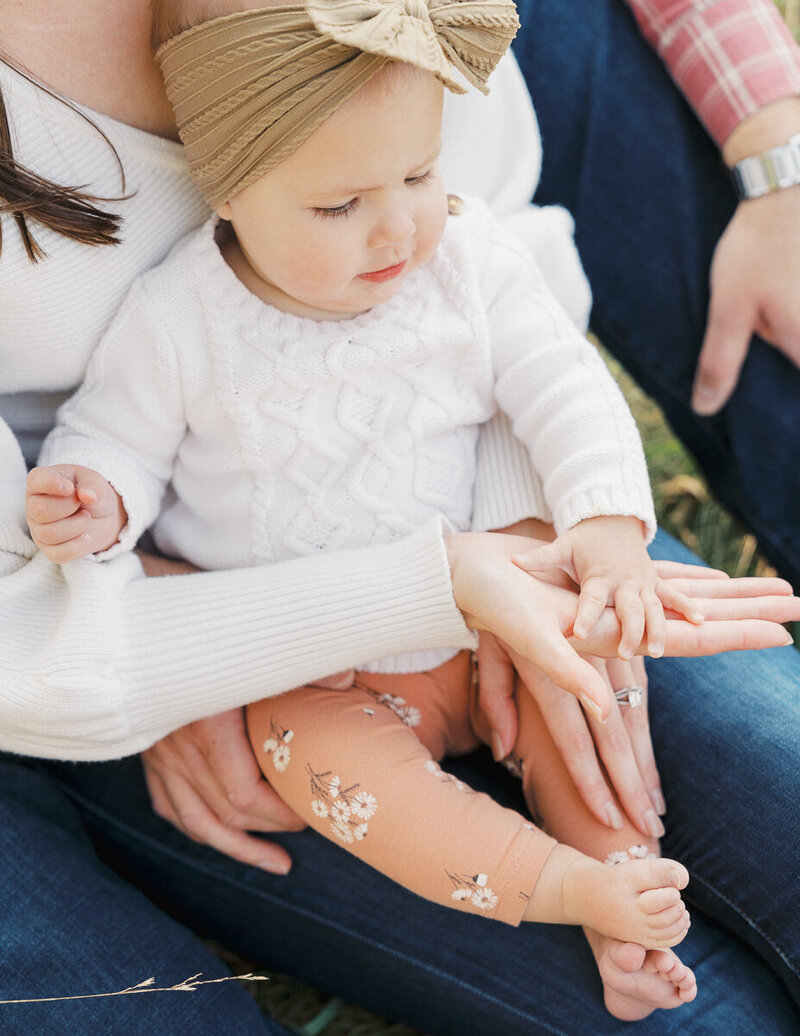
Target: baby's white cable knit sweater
(95, 660)
(280, 436)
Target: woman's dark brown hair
(31, 198)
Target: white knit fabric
(281, 436)
(98, 662)
(54, 313)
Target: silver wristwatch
(770, 171)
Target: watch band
(772, 170)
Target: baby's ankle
(555, 898)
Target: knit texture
(280, 436)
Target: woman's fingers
(496, 685)
(753, 586)
(679, 570)
(615, 748)
(738, 634)
(684, 639)
(568, 726)
(637, 722)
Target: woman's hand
(204, 779)
(534, 617)
(740, 613)
(756, 268)
(616, 754)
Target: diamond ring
(632, 696)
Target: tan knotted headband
(248, 88)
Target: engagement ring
(632, 696)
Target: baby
(308, 372)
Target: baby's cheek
(431, 236)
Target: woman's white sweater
(96, 661)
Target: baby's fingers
(591, 605)
(60, 533)
(42, 510)
(50, 482)
(678, 602)
(555, 555)
(655, 623)
(61, 553)
(631, 614)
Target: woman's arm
(98, 662)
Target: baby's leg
(632, 896)
(354, 765)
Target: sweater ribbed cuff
(196, 645)
(507, 490)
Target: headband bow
(249, 88)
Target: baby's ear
(224, 210)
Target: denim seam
(745, 917)
(114, 822)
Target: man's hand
(755, 270)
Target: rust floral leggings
(361, 766)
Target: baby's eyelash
(338, 210)
(418, 181)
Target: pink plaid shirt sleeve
(728, 57)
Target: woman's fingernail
(592, 708)
(789, 640)
(613, 816)
(658, 801)
(656, 649)
(652, 824)
(497, 747)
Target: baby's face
(336, 228)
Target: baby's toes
(666, 964)
(683, 979)
(654, 901)
(657, 874)
(669, 966)
(669, 926)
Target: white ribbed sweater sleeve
(97, 662)
(561, 399)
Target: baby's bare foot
(637, 901)
(637, 981)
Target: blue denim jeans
(650, 197)
(99, 893)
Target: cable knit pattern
(190, 646)
(283, 437)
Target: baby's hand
(606, 557)
(72, 511)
